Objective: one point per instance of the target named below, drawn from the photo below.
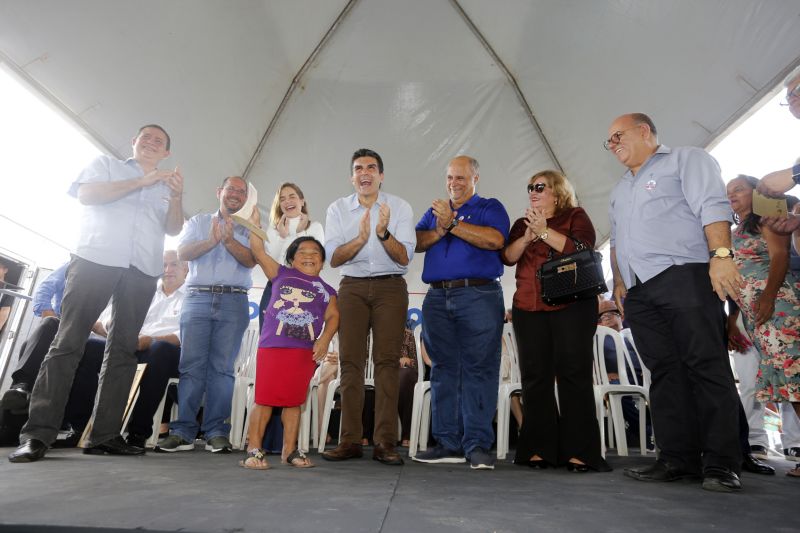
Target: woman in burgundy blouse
(555, 342)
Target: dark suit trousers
(678, 324)
(33, 351)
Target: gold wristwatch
(721, 253)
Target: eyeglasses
(615, 313)
(616, 137)
(794, 93)
(234, 190)
(538, 187)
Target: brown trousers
(379, 305)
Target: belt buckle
(217, 289)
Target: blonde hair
(276, 212)
(562, 189)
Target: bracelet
(543, 236)
(796, 174)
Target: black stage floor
(198, 492)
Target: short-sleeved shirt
(217, 266)
(658, 215)
(296, 312)
(128, 231)
(454, 258)
(341, 226)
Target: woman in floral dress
(769, 300)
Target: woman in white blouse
(288, 220)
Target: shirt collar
(662, 149)
(353, 204)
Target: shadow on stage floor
(199, 492)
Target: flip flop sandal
(254, 460)
(298, 459)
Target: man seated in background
(610, 317)
(47, 305)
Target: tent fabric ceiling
(410, 79)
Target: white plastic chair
(369, 381)
(309, 411)
(628, 386)
(627, 334)
(153, 440)
(506, 390)
(421, 405)
(244, 384)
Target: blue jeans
(212, 326)
(462, 330)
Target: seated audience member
(408, 375)
(47, 305)
(6, 300)
(158, 346)
(770, 298)
(610, 317)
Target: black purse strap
(579, 247)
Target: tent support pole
(295, 82)
(511, 80)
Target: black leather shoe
(751, 464)
(29, 451)
(660, 471)
(137, 441)
(17, 398)
(386, 454)
(115, 446)
(720, 479)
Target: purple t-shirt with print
(296, 311)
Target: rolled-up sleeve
(97, 171)
(701, 181)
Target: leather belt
(219, 289)
(458, 283)
(385, 276)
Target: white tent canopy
(286, 90)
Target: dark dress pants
(33, 350)
(678, 324)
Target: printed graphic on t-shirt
(295, 319)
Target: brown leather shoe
(386, 454)
(343, 451)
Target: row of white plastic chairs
(607, 396)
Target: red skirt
(283, 375)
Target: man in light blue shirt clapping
(370, 234)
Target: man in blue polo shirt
(214, 317)
(463, 315)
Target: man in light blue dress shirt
(214, 317)
(127, 207)
(370, 234)
(670, 254)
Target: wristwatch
(721, 253)
(385, 236)
(543, 235)
(452, 225)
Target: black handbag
(572, 277)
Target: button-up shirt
(217, 266)
(341, 226)
(128, 231)
(658, 215)
(163, 316)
